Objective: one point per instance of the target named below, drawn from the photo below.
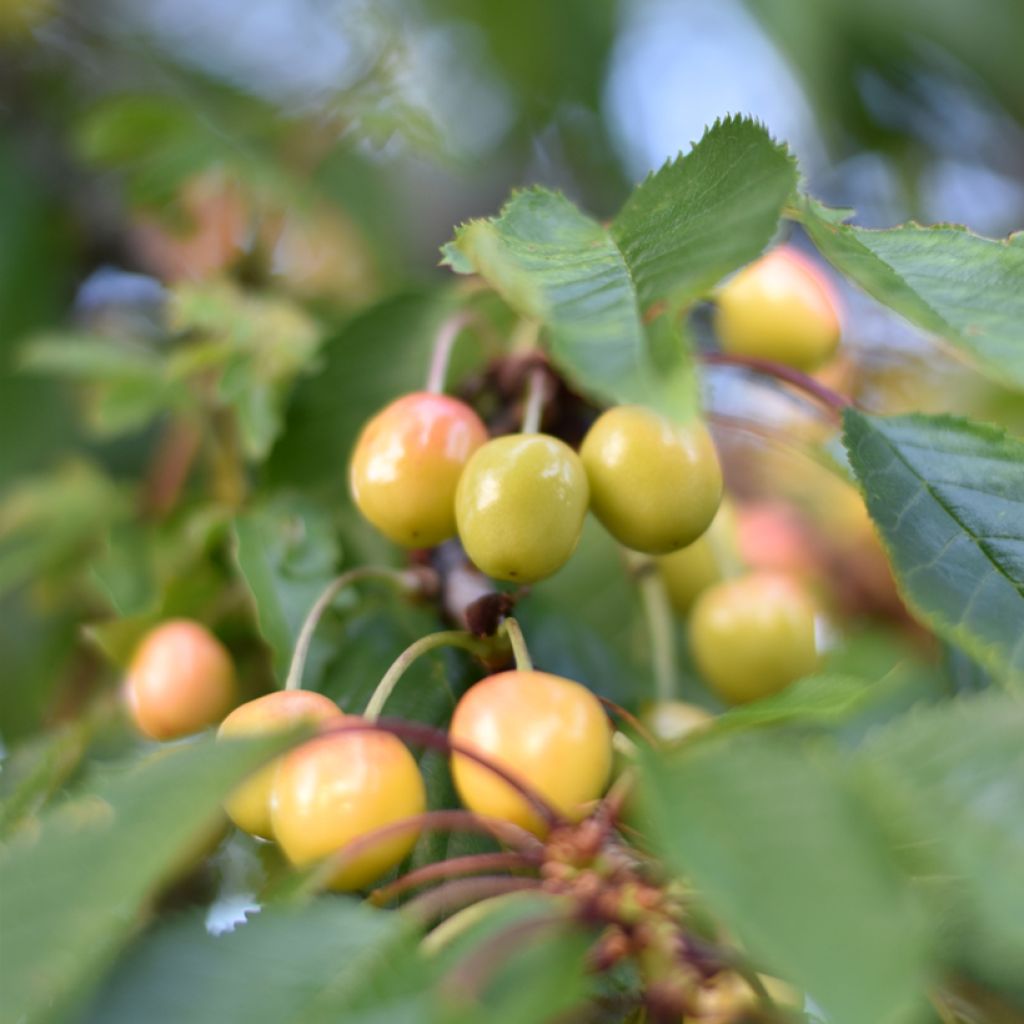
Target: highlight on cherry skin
(520, 506)
(754, 635)
(655, 485)
(180, 680)
(549, 732)
(249, 805)
(406, 465)
(672, 721)
(781, 307)
(340, 786)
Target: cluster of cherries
(424, 470)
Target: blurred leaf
(539, 975)
(126, 839)
(90, 357)
(705, 214)
(787, 850)
(287, 553)
(945, 279)
(948, 498)
(37, 250)
(129, 381)
(33, 771)
(260, 343)
(336, 959)
(957, 773)
(554, 264)
(49, 523)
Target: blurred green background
(288, 169)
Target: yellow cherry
(249, 805)
(550, 732)
(781, 307)
(341, 786)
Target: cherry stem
(834, 401)
(660, 624)
(627, 716)
(460, 892)
(457, 867)
(435, 739)
(471, 976)
(407, 581)
(445, 638)
(444, 343)
(533, 408)
(514, 632)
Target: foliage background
(277, 178)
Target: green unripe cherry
(689, 571)
(754, 635)
(654, 484)
(520, 505)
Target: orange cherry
(249, 805)
(180, 680)
(407, 463)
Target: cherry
(550, 732)
(340, 786)
(691, 570)
(406, 466)
(753, 636)
(655, 485)
(180, 680)
(249, 805)
(781, 307)
(520, 506)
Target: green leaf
(260, 343)
(72, 891)
(705, 214)
(594, 288)
(554, 264)
(52, 522)
(129, 384)
(947, 280)
(957, 774)
(334, 959)
(787, 850)
(287, 553)
(948, 498)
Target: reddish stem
(457, 867)
(468, 980)
(630, 719)
(461, 892)
(525, 843)
(829, 398)
(435, 739)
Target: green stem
(533, 409)
(520, 652)
(444, 342)
(446, 638)
(660, 625)
(406, 581)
